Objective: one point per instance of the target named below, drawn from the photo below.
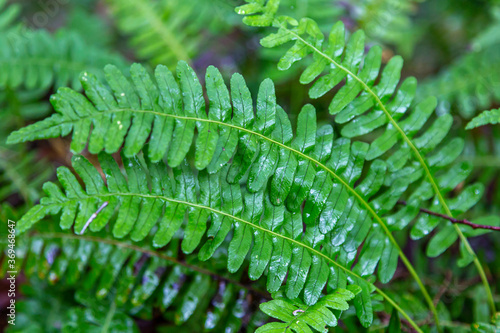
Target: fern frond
(310, 166)
(45, 308)
(167, 111)
(37, 59)
(22, 173)
(485, 118)
(161, 32)
(369, 101)
(478, 92)
(133, 278)
(298, 317)
(279, 241)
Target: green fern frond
(480, 91)
(167, 111)
(22, 173)
(133, 279)
(298, 317)
(485, 118)
(310, 166)
(37, 59)
(279, 241)
(162, 32)
(367, 101)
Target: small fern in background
(53, 60)
(481, 90)
(164, 32)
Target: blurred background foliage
(451, 46)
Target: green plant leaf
(298, 317)
(487, 117)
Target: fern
(369, 101)
(277, 237)
(129, 280)
(298, 317)
(479, 91)
(342, 211)
(36, 59)
(487, 117)
(129, 119)
(312, 167)
(162, 32)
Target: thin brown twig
(454, 220)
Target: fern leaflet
(487, 117)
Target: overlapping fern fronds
(342, 207)
(367, 102)
(370, 101)
(279, 242)
(311, 167)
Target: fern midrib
(109, 318)
(168, 37)
(417, 154)
(257, 227)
